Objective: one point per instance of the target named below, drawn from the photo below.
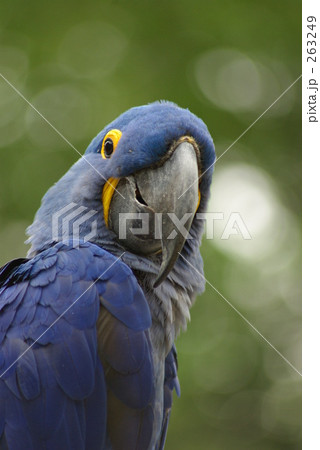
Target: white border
(311, 247)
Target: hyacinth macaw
(88, 320)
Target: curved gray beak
(168, 195)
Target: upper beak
(170, 196)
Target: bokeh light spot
(229, 79)
(235, 82)
(92, 49)
(67, 108)
(250, 193)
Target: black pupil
(108, 147)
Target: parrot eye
(108, 147)
(110, 143)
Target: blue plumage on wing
(58, 384)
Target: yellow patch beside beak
(107, 193)
(199, 199)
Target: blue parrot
(88, 320)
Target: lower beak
(168, 197)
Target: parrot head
(137, 189)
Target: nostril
(139, 197)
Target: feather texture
(52, 386)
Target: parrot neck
(171, 301)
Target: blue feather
(56, 390)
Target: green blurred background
(83, 63)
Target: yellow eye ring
(109, 143)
